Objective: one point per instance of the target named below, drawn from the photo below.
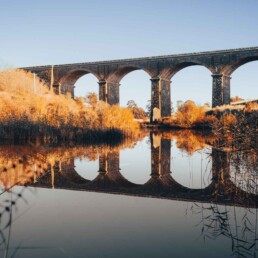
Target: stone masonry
(161, 69)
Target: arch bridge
(161, 69)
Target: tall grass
(30, 111)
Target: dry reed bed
(30, 113)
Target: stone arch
(66, 82)
(68, 171)
(122, 71)
(112, 178)
(168, 182)
(109, 169)
(229, 69)
(165, 78)
(168, 72)
(112, 82)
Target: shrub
(189, 115)
(38, 110)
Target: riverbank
(193, 117)
(30, 112)
(233, 128)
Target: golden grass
(25, 109)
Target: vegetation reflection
(233, 180)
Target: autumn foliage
(29, 110)
(189, 141)
(189, 114)
(137, 112)
(24, 163)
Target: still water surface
(166, 195)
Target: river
(166, 194)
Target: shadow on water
(233, 183)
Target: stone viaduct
(161, 69)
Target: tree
(236, 99)
(91, 99)
(148, 108)
(131, 104)
(138, 112)
(189, 114)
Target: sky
(58, 32)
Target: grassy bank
(31, 112)
(234, 127)
(191, 116)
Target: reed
(30, 111)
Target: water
(165, 195)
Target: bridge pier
(160, 162)
(109, 163)
(67, 88)
(221, 171)
(113, 93)
(109, 92)
(220, 90)
(155, 156)
(160, 98)
(160, 156)
(102, 91)
(109, 170)
(226, 89)
(103, 164)
(57, 88)
(67, 169)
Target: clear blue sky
(56, 32)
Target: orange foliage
(252, 106)
(188, 140)
(189, 114)
(23, 164)
(226, 121)
(23, 106)
(138, 112)
(236, 99)
(92, 99)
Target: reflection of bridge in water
(161, 184)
